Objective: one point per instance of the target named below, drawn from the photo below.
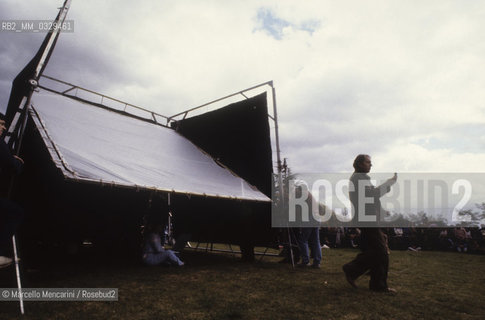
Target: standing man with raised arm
(375, 251)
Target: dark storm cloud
(75, 59)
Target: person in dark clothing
(375, 251)
(10, 214)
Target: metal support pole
(17, 271)
(169, 222)
(14, 242)
(278, 157)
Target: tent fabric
(94, 144)
(238, 135)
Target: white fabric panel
(101, 145)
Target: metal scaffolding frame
(128, 109)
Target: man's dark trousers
(375, 261)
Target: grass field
(431, 285)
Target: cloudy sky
(401, 80)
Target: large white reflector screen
(100, 145)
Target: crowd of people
(466, 240)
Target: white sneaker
(5, 261)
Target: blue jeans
(167, 257)
(310, 237)
(11, 216)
